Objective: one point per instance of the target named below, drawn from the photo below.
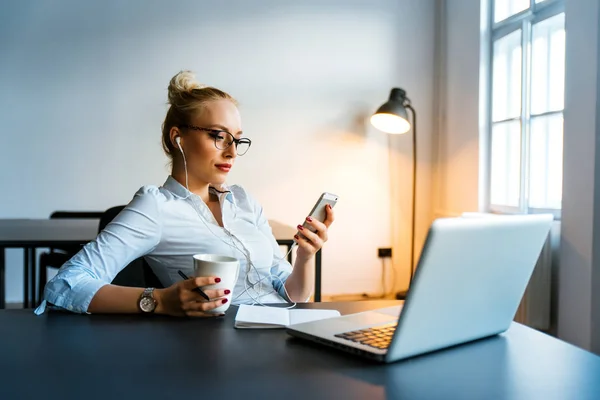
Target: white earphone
(178, 141)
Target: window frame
(524, 21)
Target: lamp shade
(392, 117)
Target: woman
(193, 212)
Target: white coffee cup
(224, 267)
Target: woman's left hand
(313, 241)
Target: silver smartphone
(318, 212)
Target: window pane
(545, 162)
(506, 163)
(548, 65)
(506, 76)
(505, 8)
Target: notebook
(259, 317)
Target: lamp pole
(392, 118)
(402, 294)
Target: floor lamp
(392, 118)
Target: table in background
(283, 232)
(140, 356)
(30, 234)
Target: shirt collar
(181, 191)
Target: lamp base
(401, 295)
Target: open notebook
(272, 317)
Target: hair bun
(181, 84)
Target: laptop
(469, 281)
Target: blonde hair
(186, 97)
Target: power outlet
(384, 252)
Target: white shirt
(167, 225)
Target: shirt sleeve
(135, 232)
(281, 269)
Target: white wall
(84, 91)
(456, 145)
(579, 274)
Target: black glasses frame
(216, 134)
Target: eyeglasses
(224, 139)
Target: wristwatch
(147, 302)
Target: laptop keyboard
(377, 336)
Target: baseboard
(356, 297)
(13, 306)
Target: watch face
(147, 304)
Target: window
(527, 73)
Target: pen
(197, 289)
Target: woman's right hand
(180, 299)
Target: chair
(138, 273)
(55, 257)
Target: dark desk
(29, 234)
(150, 357)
